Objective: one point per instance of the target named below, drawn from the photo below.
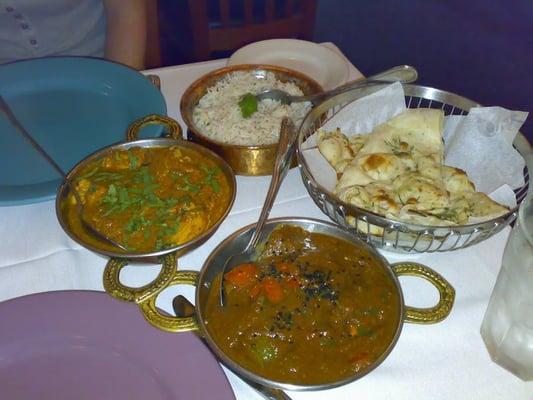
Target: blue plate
(72, 106)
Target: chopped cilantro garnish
(211, 177)
(159, 243)
(89, 174)
(189, 186)
(133, 160)
(185, 199)
(171, 202)
(123, 196)
(170, 230)
(111, 195)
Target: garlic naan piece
(429, 167)
(335, 148)
(425, 194)
(381, 166)
(456, 180)
(409, 161)
(410, 214)
(357, 142)
(375, 197)
(352, 175)
(419, 128)
(367, 168)
(357, 196)
(482, 207)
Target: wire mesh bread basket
(396, 236)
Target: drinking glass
(507, 328)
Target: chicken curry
(150, 199)
(312, 309)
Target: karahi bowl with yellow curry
(314, 308)
(153, 196)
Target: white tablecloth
(442, 361)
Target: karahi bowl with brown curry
(316, 307)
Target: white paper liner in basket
(479, 143)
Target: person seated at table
(114, 29)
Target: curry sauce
(149, 199)
(312, 309)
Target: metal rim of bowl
(311, 123)
(147, 143)
(325, 227)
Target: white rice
(218, 115)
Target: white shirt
(38, 28)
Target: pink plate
(86, 345)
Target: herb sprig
(248, 105)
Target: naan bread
(430, 167)
(423, 193)
(397, 171)
(480, 206)
(357, 142)
(367, 168)
(413, 216)
(419, 129)
(376, 197)
(456, 180)
(335, 148)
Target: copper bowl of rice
(210, 108)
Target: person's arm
(126, 31)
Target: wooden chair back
(152, 56)
(226, 25)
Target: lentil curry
(152, 198)
(313, 309)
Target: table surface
(447, 360)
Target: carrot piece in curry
(293, 282)
(242, 275)
(362, 357)
(285, 267)
(273, 290)
(256, 290)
